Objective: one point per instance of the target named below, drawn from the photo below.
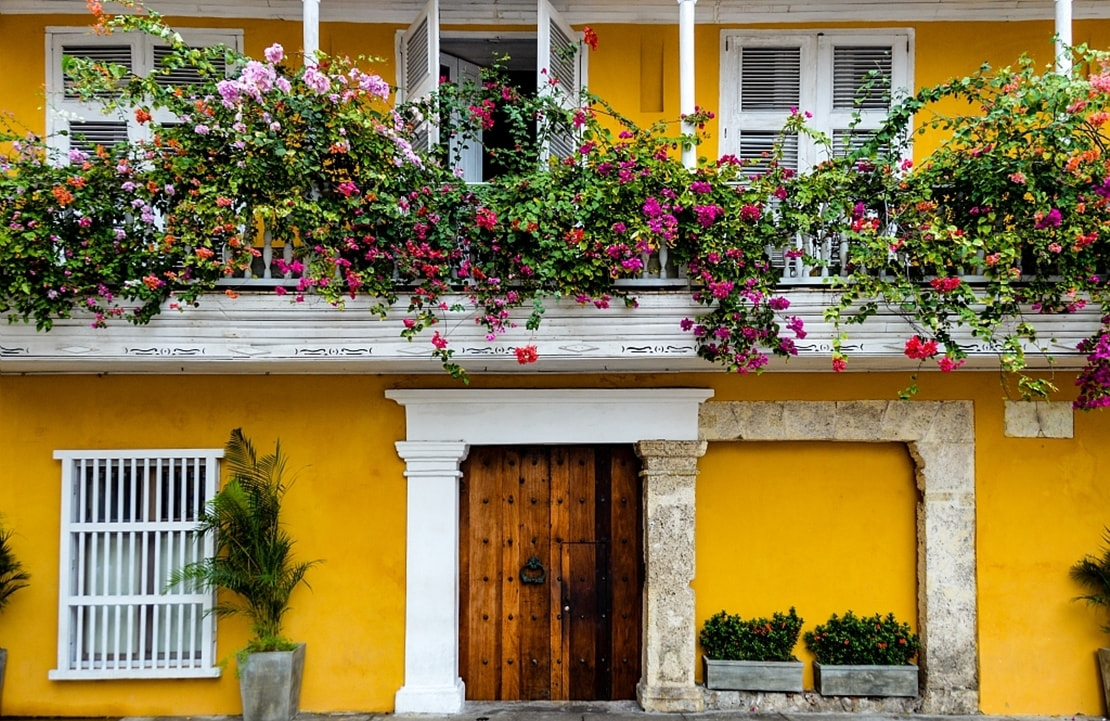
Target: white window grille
(128, 522)
(846, 79)
(86, 122)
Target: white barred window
(128, 521)
(845, 79)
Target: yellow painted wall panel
(824, 527)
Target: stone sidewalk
(614, 711)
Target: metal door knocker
(528, 572)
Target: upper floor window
(552, 59)
(73, 123)
(846, 80)
(128, 522)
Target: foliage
(1093, 573)
(872, 641)
(12, 575)
(999, 225)
(254, 553)
(728, 637)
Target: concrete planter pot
(784, 676)
(270, 684)
(1103, 667)
(865, 680)
(3, 668)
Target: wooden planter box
(783, 676)
(865, 680)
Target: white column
(1063, 37)
(686, 78)
(432, 683)
(310, 24)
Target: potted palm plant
(754, 654)
(254, 566)
(858, 656)
(12, 578)
(1093, 574)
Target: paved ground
(618, 711)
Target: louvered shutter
(770, 78)
(100, 54)
(561, 71)
(419, 53)
(770, 87)
(86, 135)
(861, 77)
(184, 76)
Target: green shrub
(850, 640)
(728, 637)
(12, 575)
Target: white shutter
(560, 69)
(128, 521)
(468, 151)
(859, 77)
(74, 124)
(770, 78)
(419, 67)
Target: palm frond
(253, 554)
(12, 575)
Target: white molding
(579, 12)
(506, 417)
(262, 333)
(440, 427)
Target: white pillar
(432, 683)
(310, 24)
(1063, 37)
(686, 73)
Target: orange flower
(142, 116)
(63, 196)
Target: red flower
(526, 354)
(141, 116)
(839, 364)
(589, 37)
(945, 285)
(920, 349)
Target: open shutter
(419, 68)
(561, 70)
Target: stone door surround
(670, 429)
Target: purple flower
(317, 81)
(275, 53)
(201, 129)
(1050, 220)
(701, 186)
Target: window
(551, 60)
(128, 521)
(86, 122)
(833, 75)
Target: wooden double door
(551, 573)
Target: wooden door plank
(580, 569)
(535, 598)
(626, 572)
(560, 489)
(484, 680)
(516, 461)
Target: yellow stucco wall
(822, 526)
(827, 539)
